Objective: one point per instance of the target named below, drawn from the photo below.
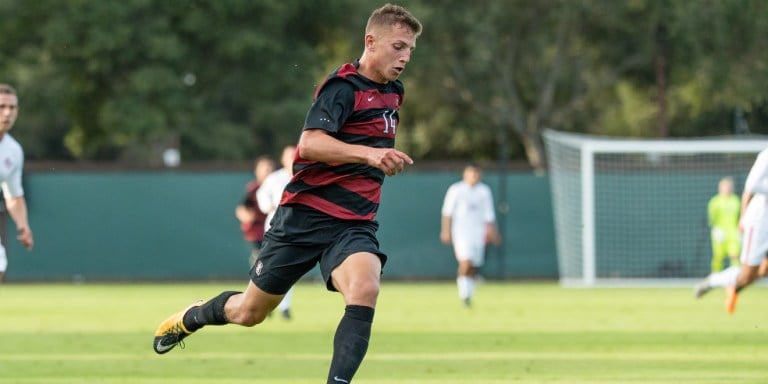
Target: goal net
(634, 211)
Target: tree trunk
(534, 151)
(662, 129)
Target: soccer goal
(634, 211)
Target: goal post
(634, 211)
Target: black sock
(350, 343)
(210, 313)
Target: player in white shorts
(754, 227)
(11, 165)
(468, 223)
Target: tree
(717, 67)
(223, 80)
(641, 68)
(230, 79)
(521, 66)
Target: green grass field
(515, 333)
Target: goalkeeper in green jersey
(723, 216)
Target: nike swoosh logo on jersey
(369, 99)
(336, 378)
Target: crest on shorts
(259, 268)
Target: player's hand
(718, 234)
(25, 237)
(445, 237)
(389, 160)
(492, 237)
(245, 214)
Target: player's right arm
(318, 145)
(446, 213)
(711, 212)
(333, 105)
(17, 208)
(15, 202)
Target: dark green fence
(133, 226)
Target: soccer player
(12, 156)
(252, 220)
(326, 215)
(723, 216)
(268, 198)
(754, 227)
(469, 223)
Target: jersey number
(390, 121)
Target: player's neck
(367, 70)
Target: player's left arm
(745, 198)
(757, 175)
(445, 229)
(17, 208)
(492, 235)
(754, 186)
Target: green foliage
(225, 80)
(230, 79)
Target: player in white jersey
(268, 198)
(11, 165)
(468, 223)
(754, 227)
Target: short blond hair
(390, 15)
(7, 89)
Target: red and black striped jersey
(355, 110)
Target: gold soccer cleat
(171, 331)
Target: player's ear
(370, 41)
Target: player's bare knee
(369, 290)
(362, 292)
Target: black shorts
(301, 237)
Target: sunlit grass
(515, 333)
